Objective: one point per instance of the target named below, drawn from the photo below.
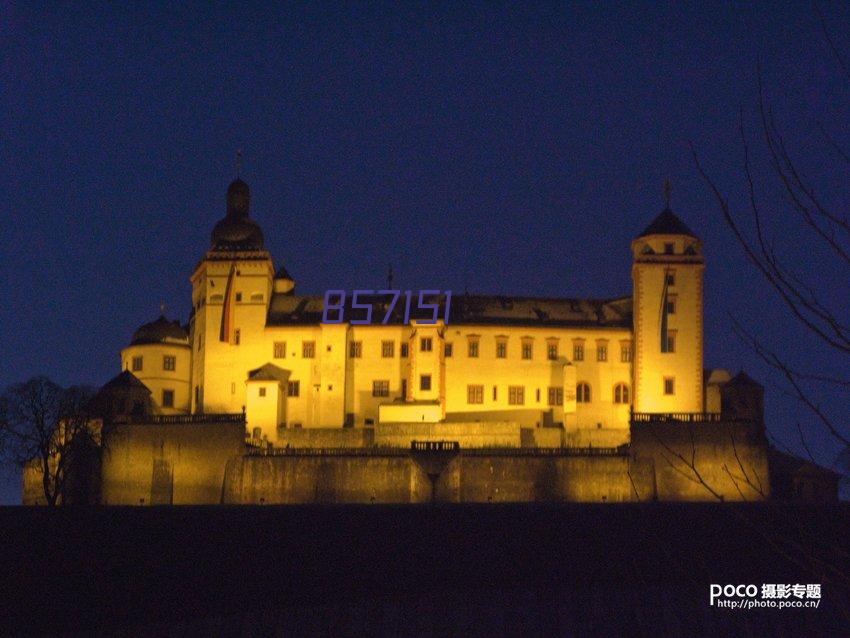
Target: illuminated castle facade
(558, 372)
(261, 398)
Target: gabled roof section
(466, 310)
(124, 380)
(267, 372)
(667, 223)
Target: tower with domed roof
(159, 356)
(231, 287)
(667, 273)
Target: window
(625, 352)
(137, 364)
(474, 394)
(380, 388)
(237, 336)
(293, 389)
(424, 381)
(495, 392)
(447, 350)
(669, 344)
(583, 393)
(668, 248)
(473, 349)
(556, 395)
(425, 344)
(621, 393)
(671, 305)
(238, 296)
(537, 396)
(602, 352)
(516, 395)
(403, 350)
(404, 388)
(279, 349)
(169, 362)
(216, 298)
(256, 296)
(669, 385)
(355, 349)
(262, 392)
(501, 349)
(552, 350)
(578, 352)
(387, 349)
(527, 350)
(168, 398)
(308, 349)
(671, 278)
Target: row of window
(516, 393)
(474, 393)
(169, 363)
(256, 297)
(355, 350)
(293, 389)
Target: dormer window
(669, 248)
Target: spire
(667, 194)
(238, 163)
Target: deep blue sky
(491, 147)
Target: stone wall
(468, 434)
(322, 438)
(168, 464)
(306, 478)
(704, 461)
(511, 479)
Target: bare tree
(44, 427)
(818, 309)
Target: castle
(261, 398)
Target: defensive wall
(186, 460)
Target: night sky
(499, 149)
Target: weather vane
(667, 189)
(238, 162)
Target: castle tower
(667, 271)
(231, 287)
(159, 356)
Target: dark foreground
(444, 570)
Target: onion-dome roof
(160, 331)
(237, 231)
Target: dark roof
(780, 462)
(282, 274)
(237, 231)
(742, 378)
(667, 224)
(466, 310)
(267, 372)
(124, 380)
(160, 331)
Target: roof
(667, 223)
(282, 274)
(160, 331)
(124, 380)
(466, 310)
(267, 372)
(742, 378)
(780, 462)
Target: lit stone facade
(571, 370)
